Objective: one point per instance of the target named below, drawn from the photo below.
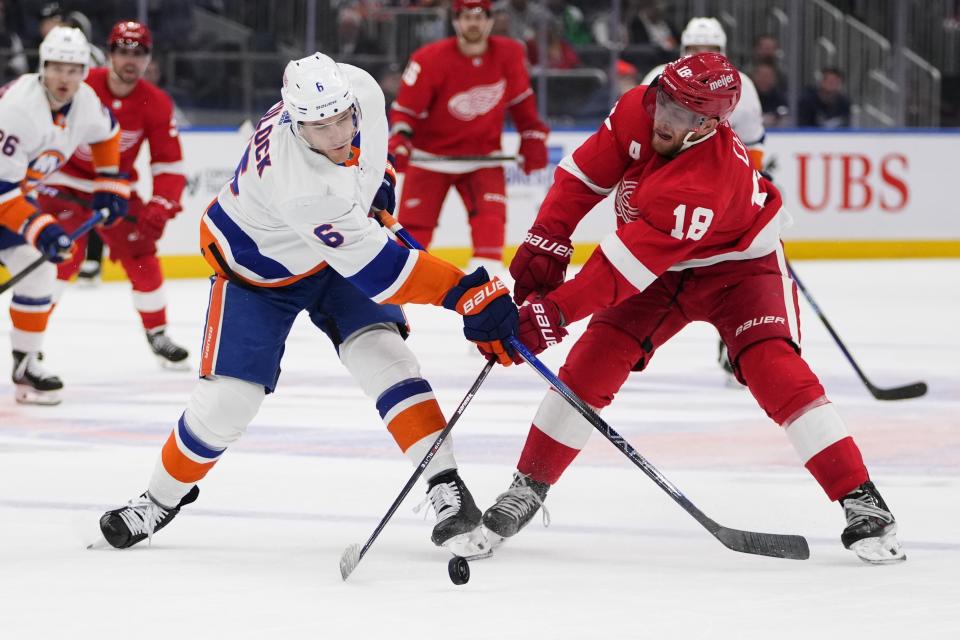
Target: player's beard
(667, 147)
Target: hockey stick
(33, 266)
(492, 158)
(905, 392)
(353, 554)
(763, 544)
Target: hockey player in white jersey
(291, 232)
(44, 116)
(707, 35)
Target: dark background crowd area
(222, 60)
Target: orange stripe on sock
(179, 466)
(413, 423)
(212, 334)
(30, 321)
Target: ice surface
(257, 555)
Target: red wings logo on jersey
(477, 101)
(128, 140)
(626, 212)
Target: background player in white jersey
(291, 232)
(706, 35)
(43, 118)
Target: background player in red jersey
(452, 101)
(698, 238)
(144, 112)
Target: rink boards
(853, 194)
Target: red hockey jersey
(706, 205)
(455, 105)
(145, 114)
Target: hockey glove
(540, 264)
(42, 231)
(111, 191)
(533, 151)
(489, 318)
(540, 325)
(153, 218)
(400, 146)
(386, 197)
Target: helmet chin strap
(688, 142)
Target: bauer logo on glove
(481, 295)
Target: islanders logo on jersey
(477, 101)
(42, 166)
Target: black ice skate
(33, 384)
(89, 273)
(458, 518)
(139, 519)
(515, 507)
(723, 359)
(871, 530)
(170, 354)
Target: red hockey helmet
(129, 34)
(705, 83)
(461, 5)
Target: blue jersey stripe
(400, 392)
(7, 186)
(32, 302)
(245, 251)
(194, 444)
(380, 273)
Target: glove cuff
(555, 245)
(34, 226)
(533, 134)
(112, 184)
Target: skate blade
(883, 550)
(494, 539)
(25, 394)
(470, 545)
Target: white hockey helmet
(315, 88)
(703, 32)
(65, 44)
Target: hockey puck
(459, 570)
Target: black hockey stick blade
(905, 392)
(775, 545)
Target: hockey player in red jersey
(698, 238)
(145, 113)
(452, 101)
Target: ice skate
(89, 273)
(723, 359)
(33, 384)
(458, 518)
(170, 354)
(514, 508)
(140, 519)
(871, 530)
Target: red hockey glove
(111, 191)
(153, 218)
(489, 318)
(533, 151)
(42, 231)
(401, 146)
(540, 325)
(540, 264)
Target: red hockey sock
(543, 458)
(839, 468)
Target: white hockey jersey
(747, 117)
(34, 142)
(290, 211)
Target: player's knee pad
(378, 358)
(39, 283)
(220, 408)
(780, 380)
